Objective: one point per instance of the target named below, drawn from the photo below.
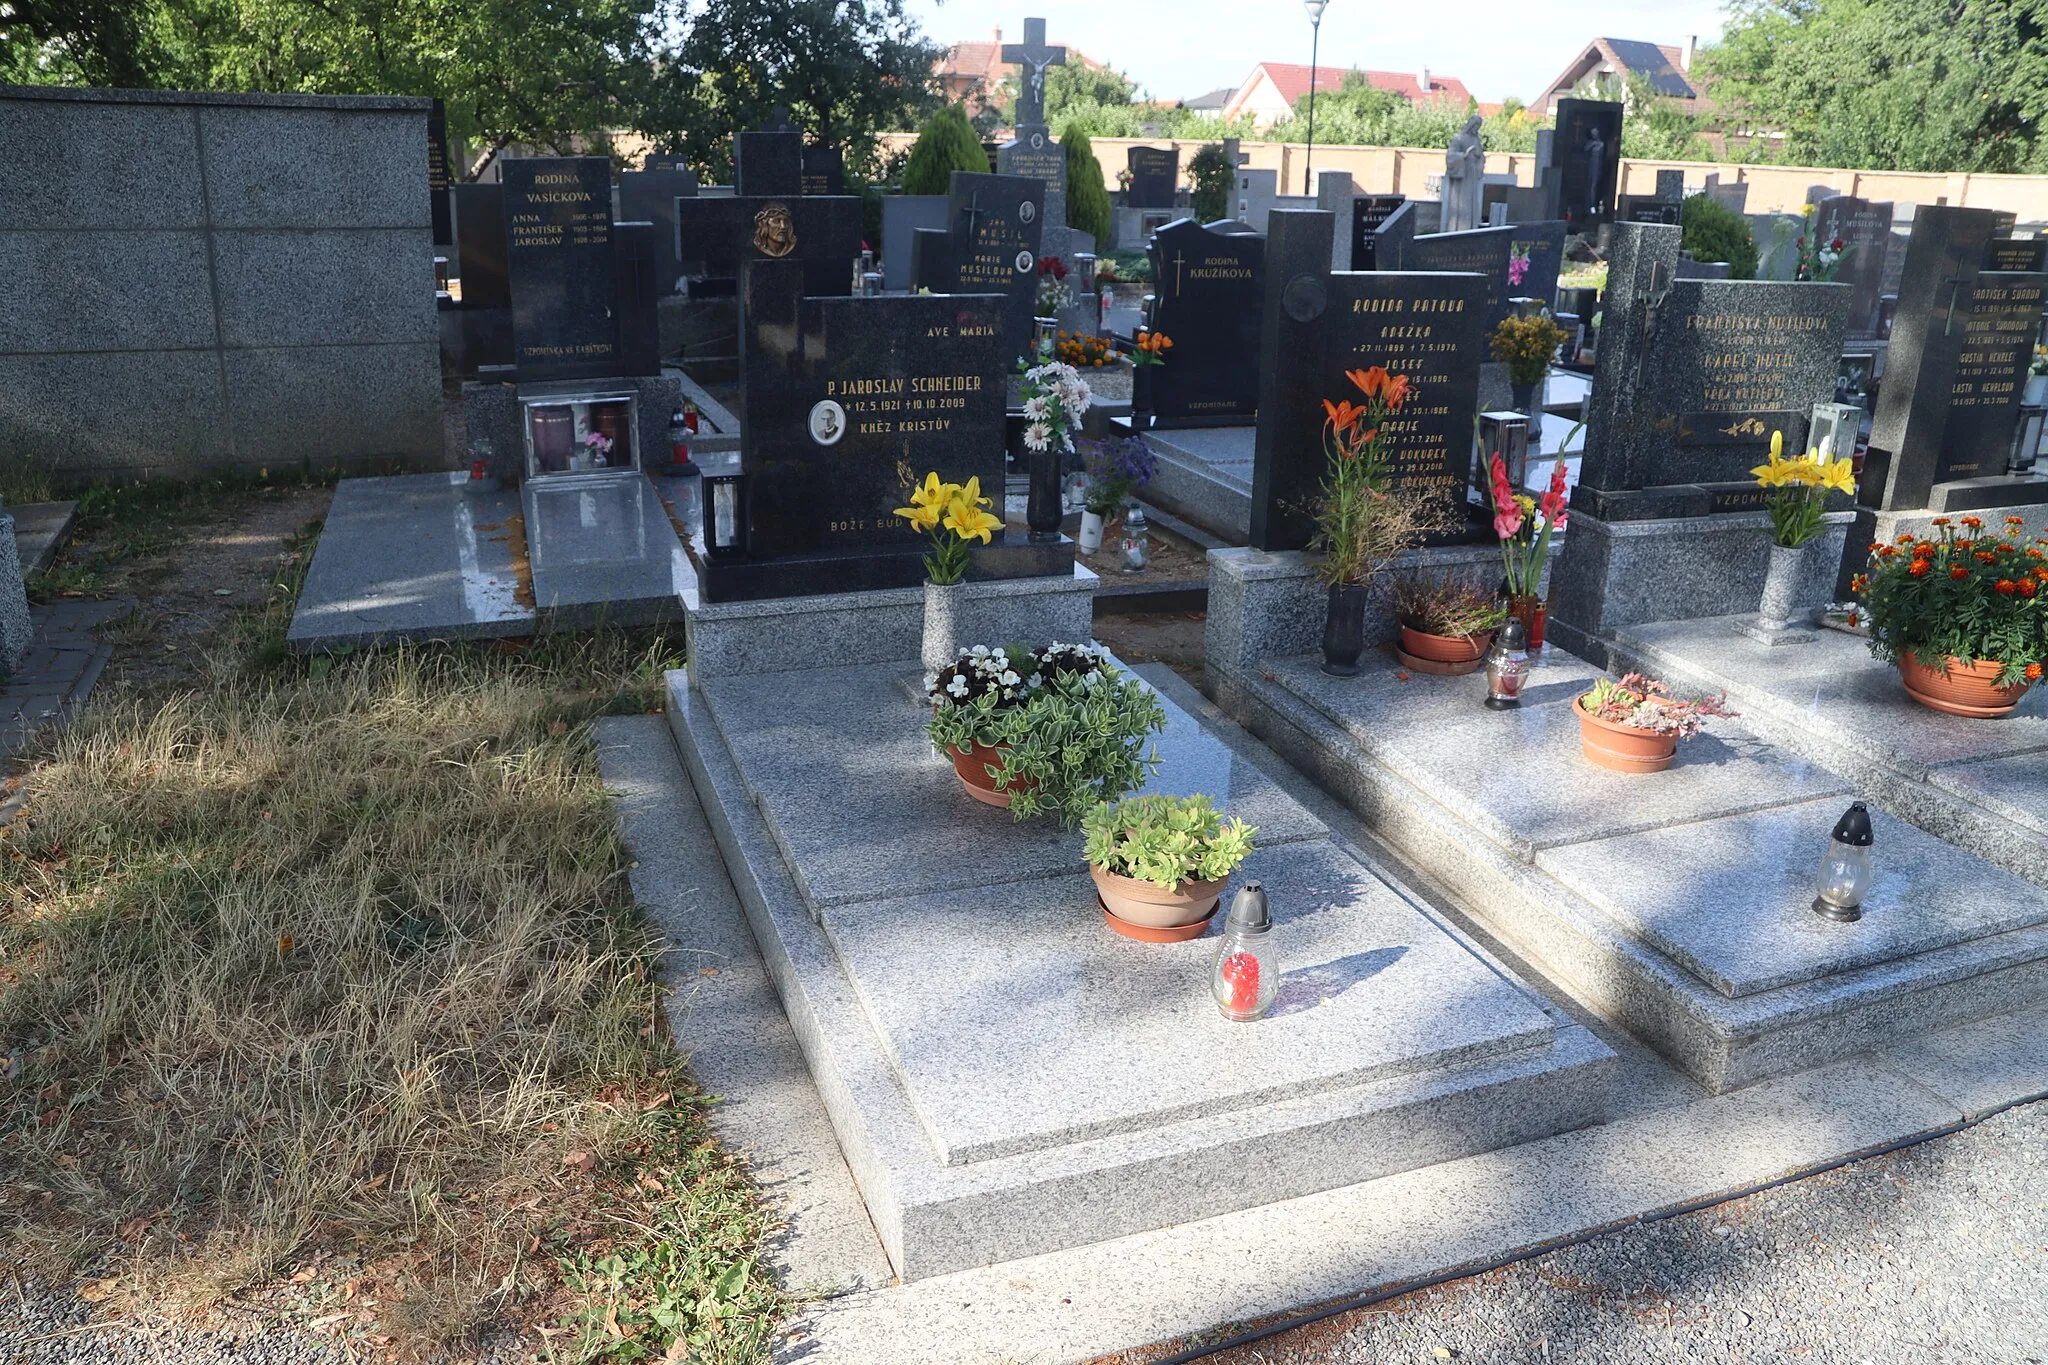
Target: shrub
(947, 144)
(1087, 198)
(1715, 232)
(1213, 175)
(1446, 606)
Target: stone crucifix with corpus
(1034, 57)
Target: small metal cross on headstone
(1958, 279)
(1034, 56)
(973, 214)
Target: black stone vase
(1044, 510)
(1344, 629)
(1523, 397)
(1141, 397)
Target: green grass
(323, 978)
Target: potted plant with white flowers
(1055, 729)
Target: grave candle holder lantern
(1137, 547)
(725, 512)
(1845, 869)
(1507, 666)
(1243, 975)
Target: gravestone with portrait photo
(847, 402)
(995, 224)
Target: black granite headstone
(2022, 255)
(714, 235)
(479, 212)
(1518, 261)
(824, 171)
(1317, 327)
(1586, 160)
(1865, 231)
(1210, 289)
(560, 265)
(650, 196)
(996, 223)
(1155, 175)
(439, 174)
(931, 260)
(1693, 378)
(1638, 209)
(1991, 374)
(768, 163)
(636, 250)
(1368, 211)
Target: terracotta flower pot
(971, 766)
(1970, 689)
(1624, 748)
(1158, 914)
(1447, 655)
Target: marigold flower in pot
(1161, 863)
(1633, 724)
(1962, 614)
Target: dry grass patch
(329, 975)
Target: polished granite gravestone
(560, 267)
(824, 171)
(1320, 327)
(903, 215)
(1677, 903)
(716, 236)
(1585, 161)
(414, 557)
(1209, 290)
(1520, 261)
(649, 196)
(996, 223)
(603, 550)
(1368, 211)
(1155, 177)
(480, 323)
(1981, 785)
(1865, 230)
(1005, 1075)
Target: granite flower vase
(945, 610)
(1344, 629)
(1960, 688)
(1796, 585)
(1141, 398)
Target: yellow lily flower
(928, 503)
(1770, 475)
(1777, 445)
(970, 493)
(1838, 474)
(971, 523)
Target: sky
(1180, 48)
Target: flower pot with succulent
(1160, 863)
(1055, 399)
(1147, 354)
(1365, 519)
(951, 514)
(1446, 624)
(1634, 724)
(1801, 576)
(1525, 526)
(1049, 730)
(1116, 470)
(1963, 614)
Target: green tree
(1657, 128)
(1714, 232)
(947, 144)
(846, 70)
(77, 42)
(1070, 86)
(1087, 196)
(1213, 176)
(1925, 85)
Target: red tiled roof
(1291, 81)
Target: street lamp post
(1315, 10)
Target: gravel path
(1936, 1253)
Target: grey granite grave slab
(2016, 787)
(16, 629)
(1741, 918)
(1505, 774)
(935, 1217)
(1204, 475)
(805, 738)
(1053, 1031)
(40, 530)
(1399, 754)
(603, 552)
(414, 557)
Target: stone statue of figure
(1596, 168)
(1031, 109)
(1464, 174)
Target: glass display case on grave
(578, 434)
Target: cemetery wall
(1413, 171)
(211, 282)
